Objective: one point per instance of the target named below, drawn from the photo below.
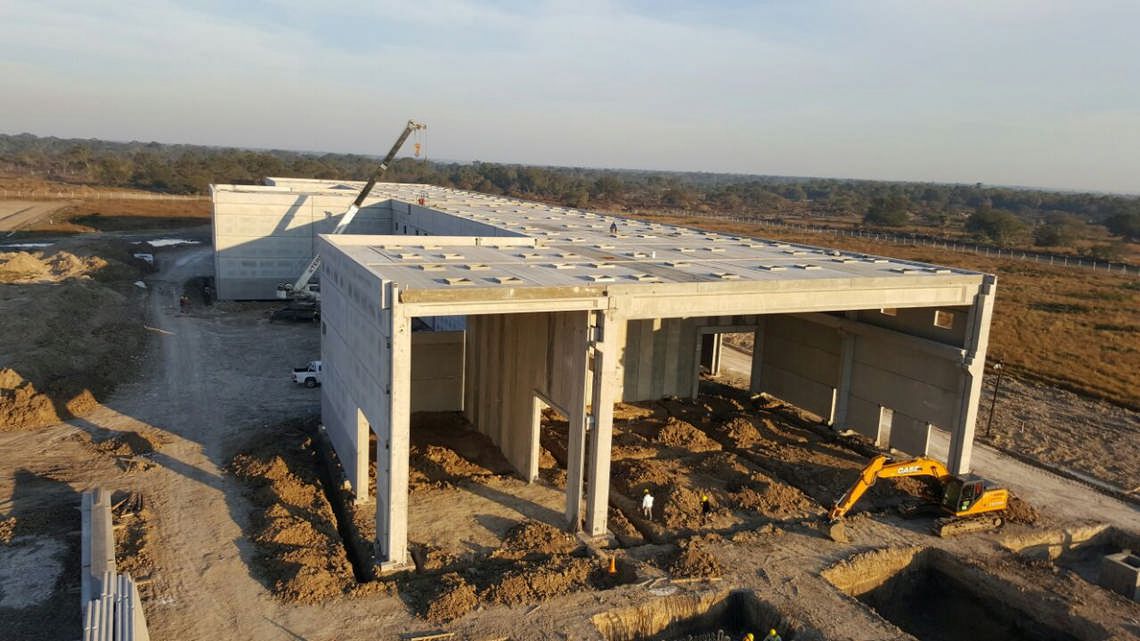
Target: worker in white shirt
(647, 505)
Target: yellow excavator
(969, 503)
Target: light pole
(993, 401)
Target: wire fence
(49, 194)
(921, 240)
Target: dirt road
(17, 214)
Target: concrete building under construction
(446, 300)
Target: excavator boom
(883, 467)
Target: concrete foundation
(1121, 573)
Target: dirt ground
(53, 366)
(22, 214)
(214, 381)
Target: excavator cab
(969, 494)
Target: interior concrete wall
(659, 358)
(801, 363)
(410, 219)
(437, 371)
(265, 237)
(847, 376)
(511, 358)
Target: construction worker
(772, 636)
(184, 303)
(706, 508)
(613, 229)
(748, 637)
(647, 504)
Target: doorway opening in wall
(735, 362)
(554, 438)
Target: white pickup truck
(309, 376)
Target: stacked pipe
(112, 610)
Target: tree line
(998, 214)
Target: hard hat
(704, 497)
(646, 490)
(772, 631)
(749, 637)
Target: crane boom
(299, 287)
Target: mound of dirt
(678, 433)
(129, 449)
(21, 405)
(536, 537)
(453, 599)
(537, 581)
(682, 507)
(774, 499)
(39, 267)
(691, 562)
(438, 464)
(300, 553)
(740, 432)
(1019, 511)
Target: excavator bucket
(836, 531)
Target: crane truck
(969, 503)
(302, 289)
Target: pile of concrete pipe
(112, 610)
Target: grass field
(1074, 328)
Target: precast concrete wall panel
(263, 238)
(437, 371)
(802, 363)
(659, 358)
(510, 359)
(356, 352)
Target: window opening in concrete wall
(944, 319)
(889, 311)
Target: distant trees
(996, 225)
(1058, 230)
(997, 214)
(1125, 224)
(889, 211)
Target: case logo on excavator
(909, 469)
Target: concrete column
(606, 354)
(576, 438)
(843, 392)
(757, 357)
(977, 342)
(360, 475)
(392, 456)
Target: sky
(1042, 93)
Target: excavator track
(947, 527)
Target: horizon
(984, 184)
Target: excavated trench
(1080, 550)
(359, 557)
(933, 596)
(698, 616)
